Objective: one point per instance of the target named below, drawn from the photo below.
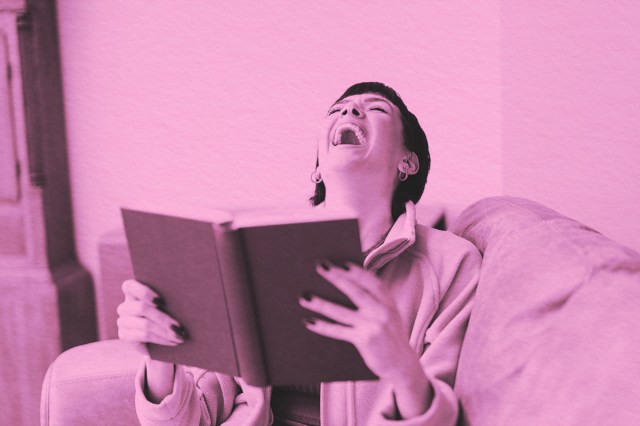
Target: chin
(343, 164)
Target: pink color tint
(221, 104)
(571, 110)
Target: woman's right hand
(140, 319)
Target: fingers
(140, 319)
(139, 329)
(328, 309)
(137, 308)
(139, 291)
(366, 279)
(340, 278)
(327, 329)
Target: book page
(186, 212)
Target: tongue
(348, 137)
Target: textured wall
(219, 103)
(571, 110)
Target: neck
(373, 210)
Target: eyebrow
(372, 99)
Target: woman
(413, 294)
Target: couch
(553, 339)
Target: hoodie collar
(401, 237)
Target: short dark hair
(414, 139)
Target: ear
(316, 175)
(409, 164)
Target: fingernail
(158, 301)
(324, 264)
(180, 331)
(309, 321)
(307, 296)
(342, 265)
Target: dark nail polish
(325, 265)
(309, 321)
(343, 265)
(307, 296)
(180, 331)
(158, 301)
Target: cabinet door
(8, 160)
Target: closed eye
(333, 111)
(377, 108)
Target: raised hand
(375, 328)
(141, 321)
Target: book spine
(241, 306)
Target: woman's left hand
(374, 328)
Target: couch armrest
(553, 334)
(91, 384)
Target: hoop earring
(403, 174)
(316, 177)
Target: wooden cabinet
(47, 301)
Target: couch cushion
(91, 385)
(553, 335)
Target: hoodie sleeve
(202, 397)
(458, 271)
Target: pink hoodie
(433, 277)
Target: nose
(352, 108)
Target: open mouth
(349, 134)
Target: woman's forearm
(412, 390)
(159, 380)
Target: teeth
(355, 129)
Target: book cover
(281, 262)
(236, 289)
(176, 257)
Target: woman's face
(362, 134)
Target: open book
(233, 282)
